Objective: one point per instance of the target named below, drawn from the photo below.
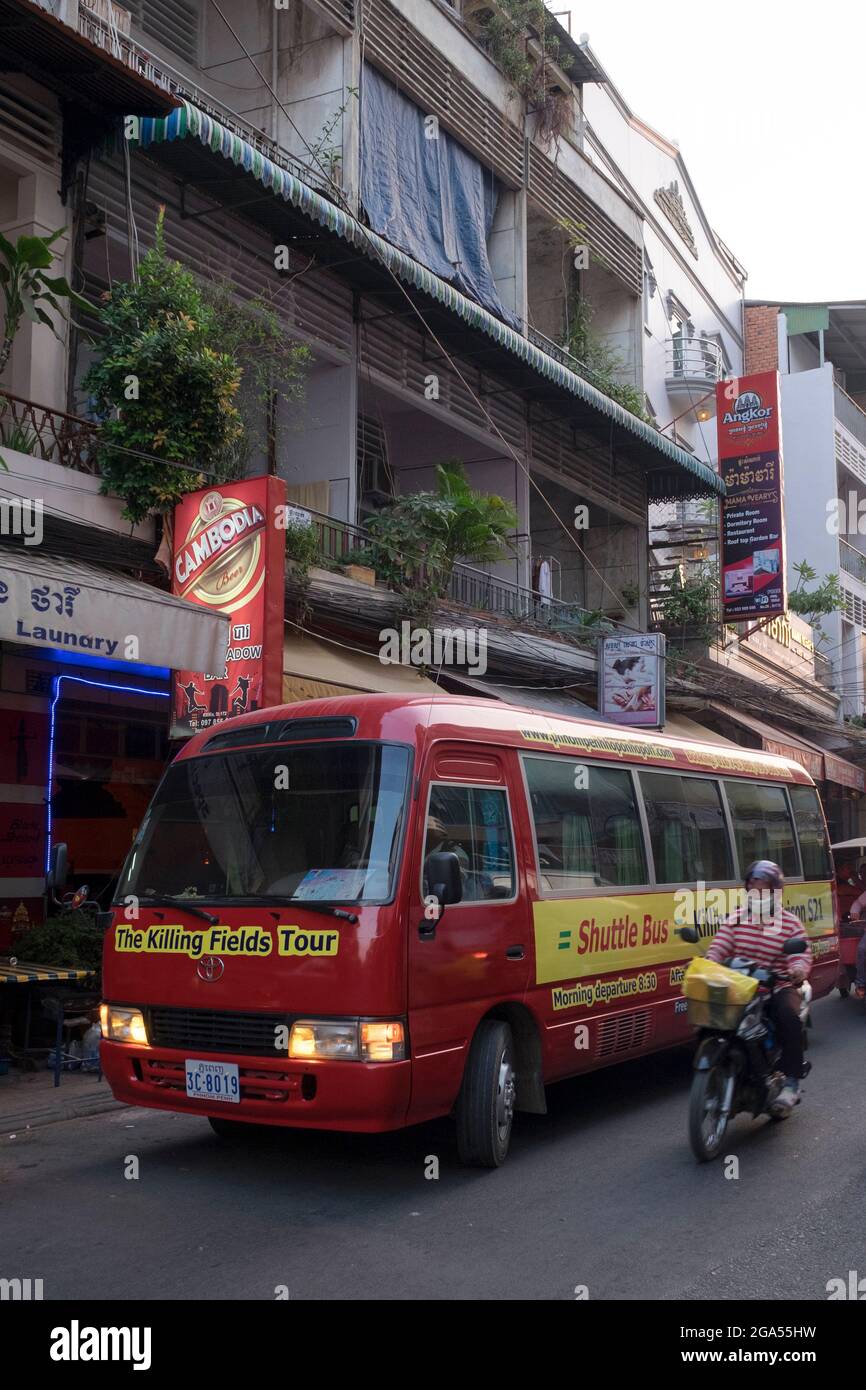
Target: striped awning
(26, 973)
(188, 122)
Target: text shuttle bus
(279, 953)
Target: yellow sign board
(575, 937)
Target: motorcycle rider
(856, 912)
(758, 932)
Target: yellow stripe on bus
(575, 937)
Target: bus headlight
(348, 1040)
(122, 1025)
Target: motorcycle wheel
(707, 1127)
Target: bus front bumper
(356, 1096)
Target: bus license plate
(213, 1081)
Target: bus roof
(421, 719)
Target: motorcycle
(736, 1066)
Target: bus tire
(485, 1107)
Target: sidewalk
(30, 1099)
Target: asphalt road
(602, 1192)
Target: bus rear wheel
(485, 1108)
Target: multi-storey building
(434, 231)
(820, 350)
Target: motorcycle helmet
(765, 871)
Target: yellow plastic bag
(717, 996)
(707, 979)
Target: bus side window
(474, 824)
(588, 835)
(762, 825)
(687, 828)
(809, 820)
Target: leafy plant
(72, 940)
(812, 604)
(691, 612)
(416, 542)
(324, 155)
(28, 292)
(502, 29)
(19, 438)
(273, 366)
(161, 386)
(600, 360)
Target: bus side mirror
(57, 868)
(688, 934)
(443, 876)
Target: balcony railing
(853, 561)
(48, 434)
(134, 56)
(849, 414)
(471, 587)
(693, 362)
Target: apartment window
(587, 828)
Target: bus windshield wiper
(312, 905)
(166, 900)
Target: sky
(767, 101)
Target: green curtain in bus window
(577, 855)
(674, 857)
(628, 844)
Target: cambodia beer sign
(229, 555)
(750, 462)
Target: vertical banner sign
(230, 555)
(753, 529)
(631, 680)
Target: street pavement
(600, 1194)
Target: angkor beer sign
(750, 461)
(229, 554)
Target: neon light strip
(55, 697)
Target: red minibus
(366, 912)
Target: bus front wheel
(485, 1108)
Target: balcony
(474, 588)
(693, 366)
(852, 561)
(134, 56)
(52, 435)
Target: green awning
(189, 122)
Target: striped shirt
(745, 934)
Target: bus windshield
(315, 822)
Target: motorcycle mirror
(688, 934)
(795, 946)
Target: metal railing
(48, 434)
(693, 360)
(849, 414)
(134, 56)
(852, 560)
(469, 586)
